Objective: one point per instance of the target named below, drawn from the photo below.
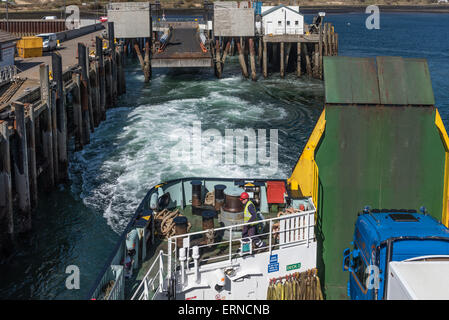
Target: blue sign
(273, 266)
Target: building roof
(7, 37)
(278, 7)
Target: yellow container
(29, 47)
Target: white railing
(291, 229)
(147, 289)
(117, 291)
(296, 228)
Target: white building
(282, 19)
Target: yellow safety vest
(247, 215)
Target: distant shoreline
(339, 9)
(383, 8)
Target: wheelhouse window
(360, 269)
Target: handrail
(138, 212)
(297, 238)
(115, 291)
(284, 217)
(147, 275)
(148, 280)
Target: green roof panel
(404, 81)
(384, 80)
(351, 80)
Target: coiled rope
(164, 224)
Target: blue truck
(398, 254)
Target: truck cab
(49, 41)
(393, 251)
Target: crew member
(250, 215)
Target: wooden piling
(320, 48)
(54, 129)
(298, 59)
(281, 56)
(265, 60)
(252, 53)
(100, 59)
(61, 116)
(287, 54)
(225, 54)
(218, 58)
(31, 139)
(77, 113)
(111, 38)
(21, 173)
(316, 62)
(96, 93)
(48, 131)
(82, 62)
(147, 62)
(308, 61)
(242, 59)
(123, 76)
(6, 196)
(141, 61)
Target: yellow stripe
(305, 174)
(444, 137)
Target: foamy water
(132, 151)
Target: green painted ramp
(383, 155)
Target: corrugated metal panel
(351, 80)
(386, 80)
(404, 81)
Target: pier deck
(183, 50)
(29, 67)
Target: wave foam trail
(133, 150)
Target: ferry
(379, 141)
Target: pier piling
(6, 201)
(84, 91)
(61, 117)
(47, 135)
(21, 170)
